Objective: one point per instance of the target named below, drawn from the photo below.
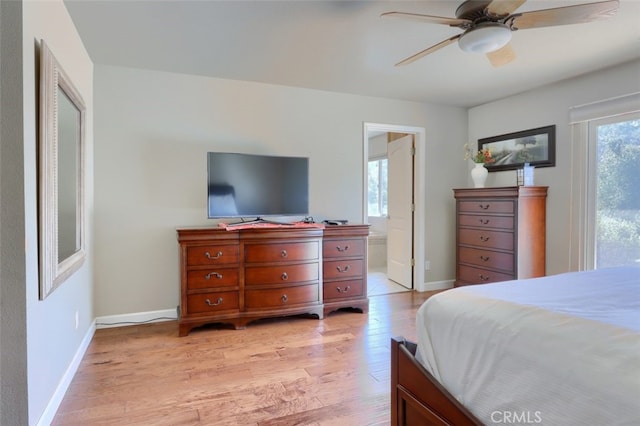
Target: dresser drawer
(212, 278)
(342, 268)
(486, 238)
(342, 289)
(487, 258)
(281, 297)
(342, 248)
(213, 255)
(257, 253)
(257, 275)
(486, 206)
(471, 275)
(207, 303)
(485, 221)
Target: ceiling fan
(488, 25)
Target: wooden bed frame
(417, 398)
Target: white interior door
(400, 211)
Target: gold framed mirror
(61, 168)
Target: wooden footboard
(416, 396)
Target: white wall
(542, 107)
(13, 313)
(152, 133)
(52, 337)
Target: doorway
(401, 226)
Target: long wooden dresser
(500, 234)
(238, 276)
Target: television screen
(246, 185)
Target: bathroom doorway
(394, 206)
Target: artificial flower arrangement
(482, 156)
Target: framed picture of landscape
(512, 150)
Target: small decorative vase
(479, 175)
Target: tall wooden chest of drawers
(500, 234)
(239, 276)
(344, 253)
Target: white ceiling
(345, 46)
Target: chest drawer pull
(346, 289)
(213, 274)
(208, 255)
(484, 206)
(217, 302)
(484, 239)
(284, 276)
(284, 298)
(483, 277)
(484, 221)
(345, 269)
(342, 249)
(485, 258)
(284, 253)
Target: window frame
(584, 121)
(383, 214)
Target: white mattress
(557, 350)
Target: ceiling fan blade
(454, 22)
(576, 14)
(504, 7)
(502, 56)
(428, 50)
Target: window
(605, 182)
(377, 188)
(617, 186)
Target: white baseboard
(55, 401)
(435, 285)
(136, 318)
(100, 322)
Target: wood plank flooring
(284, 371)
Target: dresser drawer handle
(284, 298)
(218, 302)
(284, 253)
(346, 289)
(341, 249)
(284, 276)
(208, 255)
(485, 258)
(484, 239)
(345, 269)
(484, 221)
(213, 274)
(483, 278)
(484, 206)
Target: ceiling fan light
(485, 38)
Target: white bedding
(557, 350)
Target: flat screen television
(255, 186)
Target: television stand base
(258, 221)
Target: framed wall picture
(512, 150)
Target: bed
(556, 350)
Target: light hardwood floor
(378, 283)
(285, 371)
